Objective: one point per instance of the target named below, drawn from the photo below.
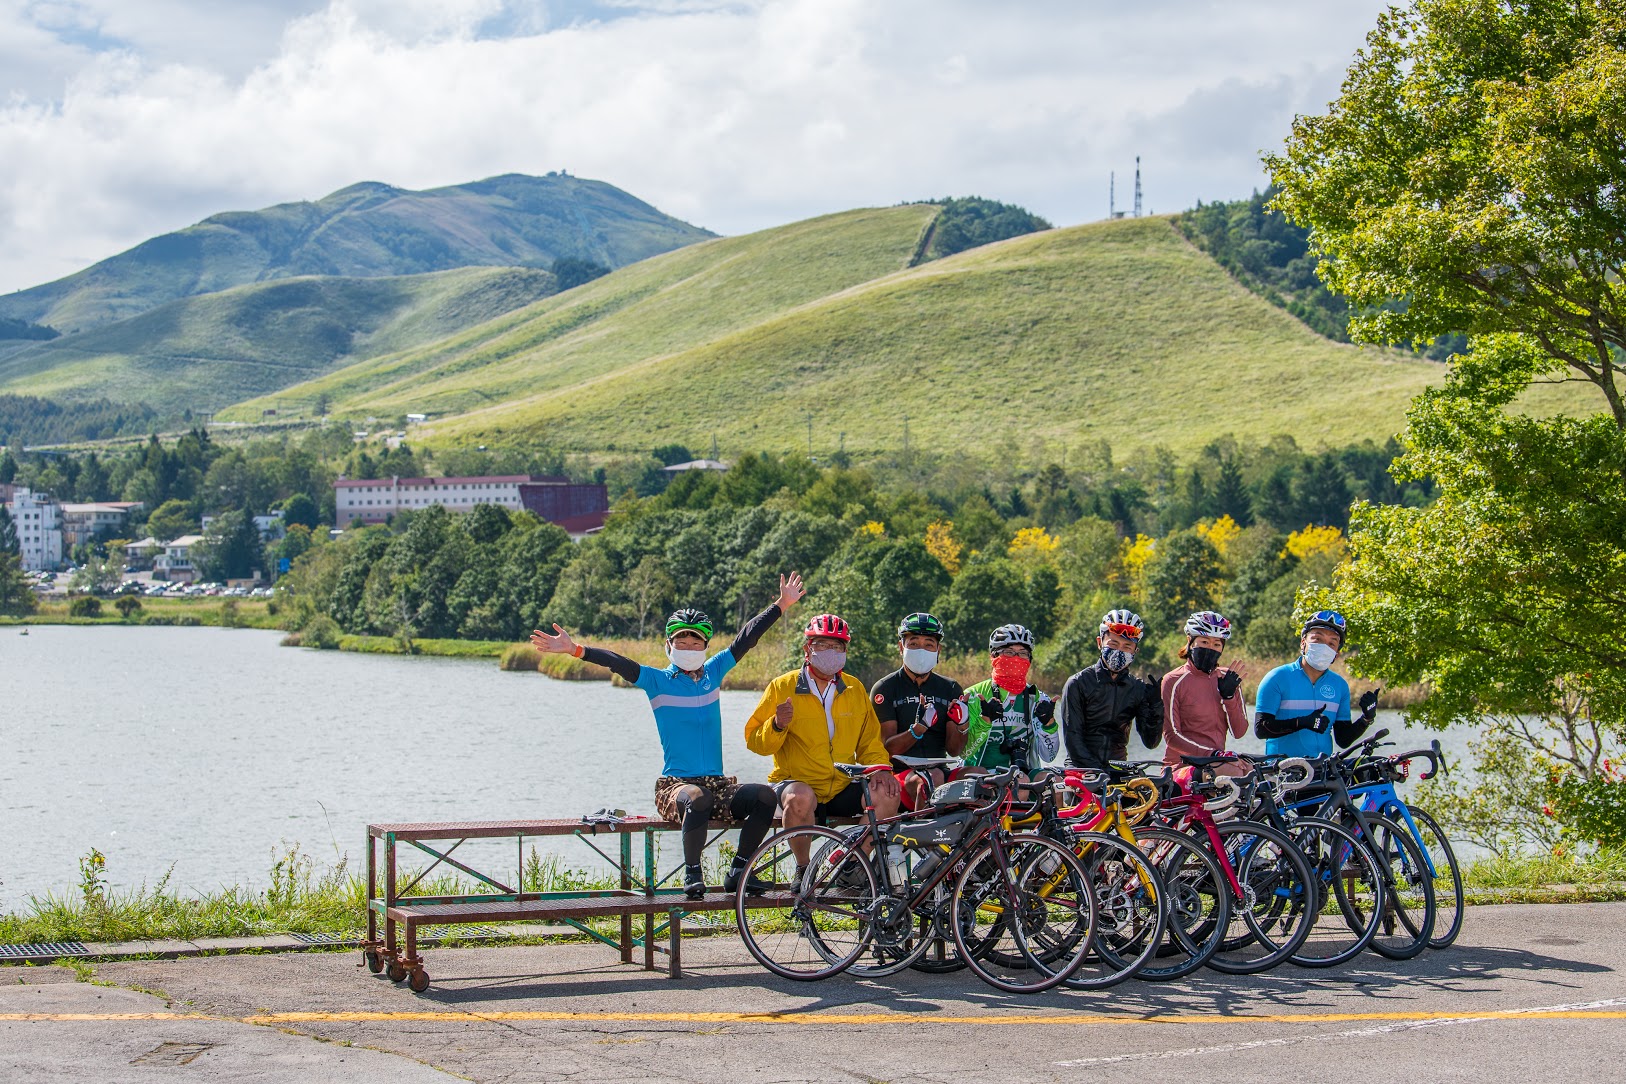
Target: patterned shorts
(722, 789)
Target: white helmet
(1208, 623)
(1125, 623)
(1007, 635)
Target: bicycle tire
(1275, 915)
(1439, 847)
(1131, 910)
(822, 926)
(1337, 859)
(1046, 915)
(1405, 931)
(1199, 903)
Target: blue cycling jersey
(1288, 693)
(687, 715)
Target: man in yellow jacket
(812, 719)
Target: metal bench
(640, 893)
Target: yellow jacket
(805, 750)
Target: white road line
(1291, 1040)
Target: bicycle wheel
(1278, 896)
(1408, 914)
(1349, 893)
(899, 935)
(1024, 919)
(1198, 903)
(1447, 880)
(1130, 910)
(815, 928)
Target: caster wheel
(375, 962)
(419, 981)
(397, 972)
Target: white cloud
(732, 115)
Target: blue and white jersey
(687, 715)
(1287, 693)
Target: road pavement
(1529, 993)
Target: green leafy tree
(17, 598)
(230, 549)
(170, 520)
(988, 593)
(1470, 168)
(301, 510)
(127, 606)
(1181, 577)
(98, 575)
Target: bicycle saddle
(930, 762)
(855, 771)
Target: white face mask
(1319, 656)
(919, 660)
(686, 658)
(828, 660)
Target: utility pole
(906, 437)
(1137, 186)
(1112, 195)
(714, 447)
(809, 434)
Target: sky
(122, 119)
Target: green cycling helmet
(690, 619)
(920, 625)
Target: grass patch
(447, 649)
(1565, 877)
(243, 613)
(300, 899)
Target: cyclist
(1099, 703)
(920, 710)
(1201, 699)
(811, 719)
(692, 788)
(1010, 719)
(1295, 698)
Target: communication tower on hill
(1137, 186)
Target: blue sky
(120, 119)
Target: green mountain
(367, 230)
(200, 353)
(1120, 330)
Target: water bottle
(897, 860)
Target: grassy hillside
(367, 230)
(672, 303)
(1120, 329)
(201, 353)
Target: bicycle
(1021, 911)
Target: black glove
(1315, 722)
(1369, 702)
(1229, 683)
(1045, 711)
(992, 709)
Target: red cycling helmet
(828, 625)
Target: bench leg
(649, 941)
(626, 939)
(674, 934)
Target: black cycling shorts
(847, 803)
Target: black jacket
(1097, 707)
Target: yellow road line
(820, 1019)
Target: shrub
(230, 614)
(85, 606)
(127, 606)
(520, 657)
(321, 632)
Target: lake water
(209, 750)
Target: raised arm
(560, 643)
(790, 591)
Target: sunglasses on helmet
(1128, 632)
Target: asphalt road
(1529, 993)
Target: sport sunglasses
(1331, 617)
(1128, 632)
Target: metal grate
(44, 950)
(326, 938)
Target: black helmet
(1327, 619)
(920, 625)
(689, 619)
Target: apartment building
(38, 520)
